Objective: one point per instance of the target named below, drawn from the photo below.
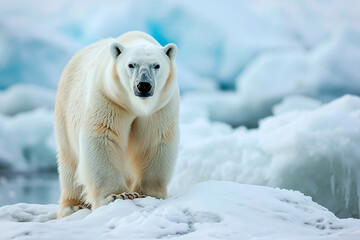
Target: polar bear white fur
(113, 138)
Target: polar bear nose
(144, 87)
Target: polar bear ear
(171, 50)
(116, 49)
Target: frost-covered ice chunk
(35, 54)
(210, 210)
(316, 152)
(22, 98)
(326, 72)
(27, 141)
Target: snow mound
(314, 151)
(23, 212)
(210, 210)
(295, 103)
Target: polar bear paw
(124, 196)
(66, 211)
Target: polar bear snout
(143, 89)
(144, 86)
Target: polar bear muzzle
(144, 85)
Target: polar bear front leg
(154, 172)
(101, 168)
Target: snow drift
(210, 210)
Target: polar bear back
(137, 38)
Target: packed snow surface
(210, 210)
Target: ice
(262, 51)
(34, 53)
(27, 141)
(313, 151)
(39, 188)
(190, 81)
(326, 72)
(26, 128)
(323, 73)
(36, 44)
(210, 210)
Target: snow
(295, 103)
(327, 71)
(314, 151)
(23, 212)
(209, 210)
(26, 128)
(323, 73)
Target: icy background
(263, 86)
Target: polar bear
(116, 122)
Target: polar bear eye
(131, 65)
(157, 66)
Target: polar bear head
(146, 71)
